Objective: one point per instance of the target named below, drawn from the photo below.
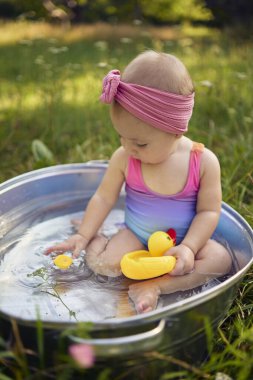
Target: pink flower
(83, 354)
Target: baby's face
(142, 141)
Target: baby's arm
(206, 219)
(99, 206)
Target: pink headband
(163, 110)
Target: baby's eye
(141, 145)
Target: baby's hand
(185, 259)
(76, 243)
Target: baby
(171, 181)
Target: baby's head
(161, 71)
(153, 97)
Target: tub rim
(155, 315)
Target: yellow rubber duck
(141, 265)
(63, 261)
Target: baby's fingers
(77, 250)
(61, 247)
(179, 269)
(182, 267)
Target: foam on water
(24, 294)
(63, 295)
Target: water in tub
(32, 285)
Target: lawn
(50, 114)
(51, 81)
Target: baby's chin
(150, 162)
(144, 160)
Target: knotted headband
(163, 110)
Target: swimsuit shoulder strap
(195, 162)
(197, 147)
(133, 174)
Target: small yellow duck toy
(63, 261)
(141, 265)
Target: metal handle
(105, 347)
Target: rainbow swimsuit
(147, 211)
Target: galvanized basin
(42, 195)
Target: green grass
(50, 84)
(51, 81)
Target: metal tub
(176, 328)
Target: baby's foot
(97, 258)
(93, 252)
(144, 296)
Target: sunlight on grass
(52, 90)
(23, 30)
(201, 31)
(51, 80)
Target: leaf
(2, 342)
(4, 377)
(105, 374)
(6, 354)
(41, 152)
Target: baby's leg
(103, 255)
(212, 261)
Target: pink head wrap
(163, 110)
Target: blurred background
(211, 12)
(53, 57)
(54, 54)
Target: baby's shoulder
(119, 158)
(209, 161)
(209, 156)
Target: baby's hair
(162, 71)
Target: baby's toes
(143, 307)
(144, 300)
